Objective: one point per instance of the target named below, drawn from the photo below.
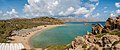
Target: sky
(75, 9)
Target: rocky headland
(105, 37)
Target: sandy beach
(25, 40)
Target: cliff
(110, 26)
(92, 42)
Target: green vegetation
(111, 33)
(7, 26)
(89, 48)
(59, 47)
(92, 48)
(100, 35)
(23, 49)
(107, 49)
(32, 49)
(95, 48)
(84, 46)
(115, 33)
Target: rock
(105, 41)
(91, 42)
(117, 46)
(118, 22)
(111, 42)
(111, 24)
(78, 41)
(97, 29)
(79, 48)
(112, 38)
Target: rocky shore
(105, 37)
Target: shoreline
(26, 40)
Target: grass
(59, 47)
(111, 33)
(115, 33)
(100, 35)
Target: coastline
(26, 40)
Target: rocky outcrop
(105, 42)
(97, 29)
(90, 42)
(111, 24)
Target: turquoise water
(60, 35)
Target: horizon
(73, 9)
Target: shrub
(100, 35)
(59, 47)
(84, 46)
(24, 49)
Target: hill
(7, 26)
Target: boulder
(105, 41)
(112, 23)
(117, 46)
(97, 29)
(109, 23)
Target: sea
(62, 35)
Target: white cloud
(94, 0)
(49, 7)
(117, 4)
(105, 11)
(96, 15)
(68, 12)
(81, 11)
(118, 11)
(88, 5)
(97, 4)
(92, 8)
(9, 14)
(37, 8)
(113, 15)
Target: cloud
(105, 11)
(9, 14)
(113, 15)
(94, 0)
(68, 12)
(118, 11)
(81, 11)
(49, 7)
(117, 4)
(92, 8)
(96, 15)
(37, 8)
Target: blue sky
(7, 5)
(82, 9)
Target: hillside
(7, 26)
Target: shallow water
(61, 35)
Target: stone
(97, 29)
